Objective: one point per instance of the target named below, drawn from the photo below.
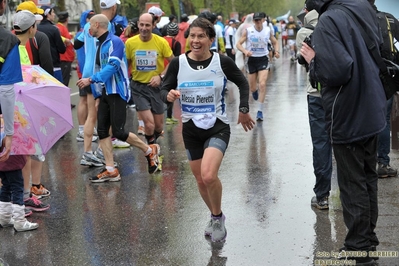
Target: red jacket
(69, 54)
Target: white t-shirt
(270, 25)
(230, 31)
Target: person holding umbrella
(112, 78)
(32, 167)
(39, 54)
(38, 47)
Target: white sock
(81, 128)
(141, 123)
(110, 168)
(261, 106)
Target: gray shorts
(147, 98)
(7, 102)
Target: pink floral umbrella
(42, 112)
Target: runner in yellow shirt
(145, 54)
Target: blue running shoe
(259, 116)
(255, 95)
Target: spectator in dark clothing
(354, 101)
(172, 19)
(57, 46)
(171, 33)
(39, 52)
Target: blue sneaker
(259, 116)
(255, 95)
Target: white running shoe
(80, 137)
(116, 143)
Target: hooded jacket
(80, 53)
(353, 95)
(310, 19)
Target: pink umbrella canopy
(42, 112)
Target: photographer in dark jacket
(322, 149)
(354, 102)
(57, 46)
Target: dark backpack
(388, 28)
(388, 69)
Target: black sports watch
(244, 110)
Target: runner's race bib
(198, 101)
(146, 60)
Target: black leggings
(112, 112)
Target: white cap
(104, 4)
(25, 19)
(156, 11)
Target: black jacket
(57, 46)
(41, 53)
(353, 95)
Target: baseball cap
(104, 4)
(24, 19)
(30, 6)
(47, 9)
(232, 21)
(156, 11)
(172, 29)
(258, 15)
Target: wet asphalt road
(267, 179)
